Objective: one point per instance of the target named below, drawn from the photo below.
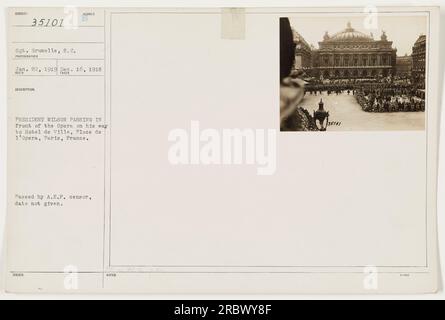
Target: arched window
(326, 61)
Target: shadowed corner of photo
(287, 48)
(291, 88)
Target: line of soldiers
(329, 88)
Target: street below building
(346, 114)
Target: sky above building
(403, 31)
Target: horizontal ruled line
(57, 75)
(55, 42)
(30, 26)
(69, 59)
(206, 272)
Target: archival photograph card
(243, 150)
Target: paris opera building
(351, 54)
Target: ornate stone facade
(351, 54)
(404, 66)
(419, 54)
(303, 53)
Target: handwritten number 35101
(47, 22)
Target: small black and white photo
(352, 73)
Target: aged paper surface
(156, 150)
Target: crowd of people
(381, 101)
(374, 96)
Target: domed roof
(349, 34)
